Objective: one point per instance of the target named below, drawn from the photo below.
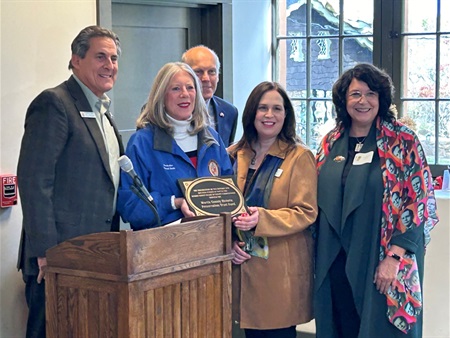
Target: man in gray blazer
(205, 63)
(68, 172)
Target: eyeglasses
(356, 96)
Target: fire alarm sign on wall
(9, 191)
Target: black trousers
(288, 332)
(35, 296)
(345, 316)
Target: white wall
(35, 51)
(251, 49)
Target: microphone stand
(135, 187)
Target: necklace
(254, 159)
(259, 154)
(359, 145)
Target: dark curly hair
(377, 80)
(287, 133)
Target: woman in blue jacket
(173, 140)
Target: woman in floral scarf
(372, 227)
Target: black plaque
(209, 196)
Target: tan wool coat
(277, 292)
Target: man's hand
(42, 263)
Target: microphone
(137, 187)
(127, 166)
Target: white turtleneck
(185, 141)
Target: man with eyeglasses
(223, 115)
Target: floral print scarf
(408, 202)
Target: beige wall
(35, 51)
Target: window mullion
(308, 73)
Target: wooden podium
(172, 281)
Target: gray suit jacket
(65, 183)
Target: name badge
(278, 172)
(363, 158)
(87, 114)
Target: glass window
(424, 86)
(316, 40)
(314, 43)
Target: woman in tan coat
(273, 247)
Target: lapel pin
(339, 158)
(221, 114)
(279, 172)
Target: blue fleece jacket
(160, 162)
